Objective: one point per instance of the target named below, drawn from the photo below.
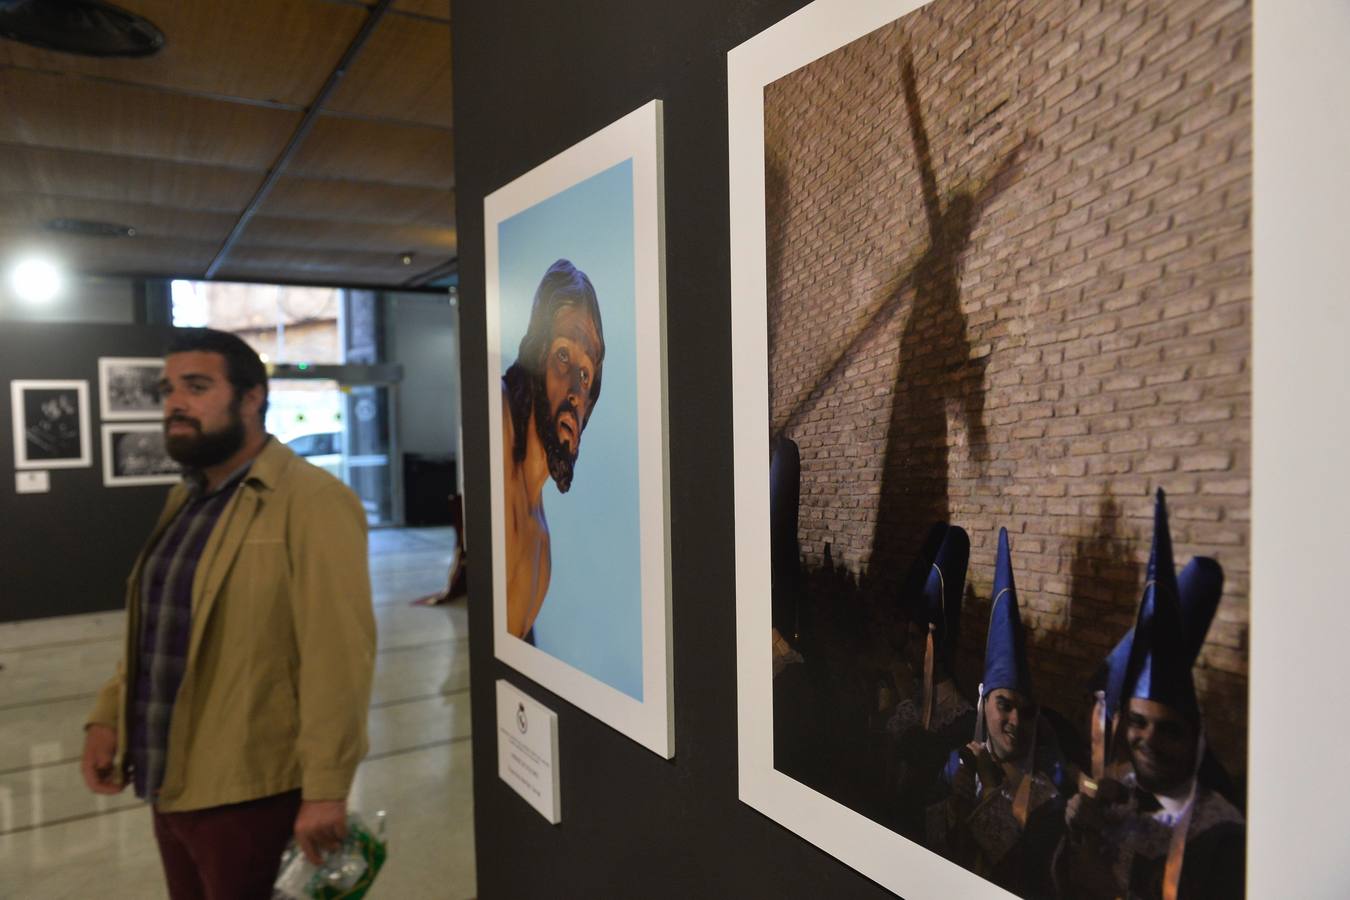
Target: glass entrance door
(345, 429)
(367, 467)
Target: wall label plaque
(527, 750)
(38, 482)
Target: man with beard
(239, 709)
(548, 394)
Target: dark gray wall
(69, 551)
(422, 333)
(85, 299)
(532, 79)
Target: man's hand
(320, 827)
(100, 748)
(1083, 815)
(963, 782)
(990, 772)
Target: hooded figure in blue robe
(935, 719)
(999, 805)
(1146, 825)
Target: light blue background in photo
(592, 615)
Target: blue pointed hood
(784, 555)
(912, 588)
(785, 472)
(1005, 650)
(944, 587)
(1154, 661)
(1200, 585)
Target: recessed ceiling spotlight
(84, 27)
(36, 280)
(88, 228)
(407, 259)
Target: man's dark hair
(563, 285)
(243, 367)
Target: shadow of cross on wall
(934, 366)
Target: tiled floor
(57, 840)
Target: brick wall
(1010, 285)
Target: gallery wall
(85, 298)
(69, 550)
(421, 334)
(633, 824)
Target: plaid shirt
(166, 627)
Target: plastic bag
(346, 873)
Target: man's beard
(561, 460)
(205, 448)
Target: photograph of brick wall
(1009, 285)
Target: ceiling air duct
(85, 27)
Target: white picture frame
(1284, 427)
(643, 714)
(127, 387)
(66, 449)
(115, 464)
(1300, 192)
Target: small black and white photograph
(129, 387)
(51, 424)
(134, 454)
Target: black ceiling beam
(301, 131)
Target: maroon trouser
(226, 852)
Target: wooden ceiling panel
(130, 256)
(75, 114)
(34, 211)
(320, 266)
(403, 72)
(279, 50)
(360, 201)
(437, 9)
(176, 145)
(376, 151)
(319, 234)
(125, 179)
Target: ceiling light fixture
(407, 259)
(83, 27)
(36, 281)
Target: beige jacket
(282, 650)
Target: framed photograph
(575, 303)
(991, 269)
(134, 454)
(128, 387)
(51, 424)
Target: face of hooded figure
(1162, 745)
(1008, 715)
